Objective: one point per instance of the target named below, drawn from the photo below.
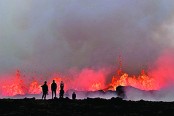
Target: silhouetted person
(61, 85)
(53, 88)
(44, 90)
(73, 95)
(61, 94)
(61, 89)
(120, 92)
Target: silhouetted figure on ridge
(44, 90)
(61, 89)
(53, 89)
(120, 92)
(73, 95)
(61, 85)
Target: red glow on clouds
(163, 71)
(91, 80)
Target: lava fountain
(87, 80)
(92, 80)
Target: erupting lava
(91, 80)
(16, 85)
(143, 81)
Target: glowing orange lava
(91, 80)
(14, 86)
(34, 88)
(88, 83)
(142, 81)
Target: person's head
(45, 82)
(53, 81)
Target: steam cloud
(58, 35)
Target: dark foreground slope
(86, 107)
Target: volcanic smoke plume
(79, 42)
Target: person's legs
(55, 93)
(43, 95)
(52, 94)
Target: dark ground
(86, 107)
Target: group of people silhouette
(54, 89)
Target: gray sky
(58, 35)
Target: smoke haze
(57, 35)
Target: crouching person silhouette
(44, 90)
(73, 95)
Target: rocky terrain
(90, 106)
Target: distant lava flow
(158, 77)
(142, 81)
(16, 85)
(92, 80)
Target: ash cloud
(58, 35)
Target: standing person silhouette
(61, 89)
(61, 85)
(53, 88)
(44, 90)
